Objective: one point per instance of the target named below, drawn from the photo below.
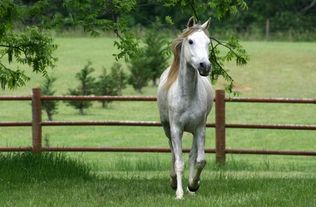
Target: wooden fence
(220, 125)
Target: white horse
(185, 98)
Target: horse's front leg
(173, 177)
(176, 140)
(200, 162)
(192, 162)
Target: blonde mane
(176, 50)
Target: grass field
(55, 180)
(120, 179)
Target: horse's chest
(192, 116)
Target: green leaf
(169, 20)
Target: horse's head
(193, 42)
(195, 47)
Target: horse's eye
(191, 42)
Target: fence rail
(156, 124)
(153, 98)
(220, 125)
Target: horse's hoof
(190, 192)
(179, 195)
(195, 188)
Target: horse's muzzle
(205, 68)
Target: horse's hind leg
(199, 162)
(192, 161)
(173, 177)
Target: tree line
(31, 46)
(261, 19)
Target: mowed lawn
(276, 69)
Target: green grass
(57, 180)
(141, 190)
(276, 69)
(17, 168)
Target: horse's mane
(176, 50)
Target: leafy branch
(218, 51)
(30, 48)
(11, 78)
(97, 16)
(235, 52)
(240, 53)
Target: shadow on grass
(28, 167)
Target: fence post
(220, 127)
(36, 120)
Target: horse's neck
(187, 79)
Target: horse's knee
(201, 158)
(179, 166)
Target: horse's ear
(206, 24)
(191, 22)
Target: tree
(85, 88)
(110, 84)
(30, 47)
(115, 16)
(151, 59)
(285, 16)
(139, 72)
(157, 51)
(47, 89)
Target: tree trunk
(267, 29)
(104, 104)
(154, 81)
(49, 115)
(81, 111)
(139, 90)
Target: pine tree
(152, 59)
(139, 71)
(85, 88)
(110, 84)
(156, 51)
(47, 89)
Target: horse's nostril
(202, 65)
